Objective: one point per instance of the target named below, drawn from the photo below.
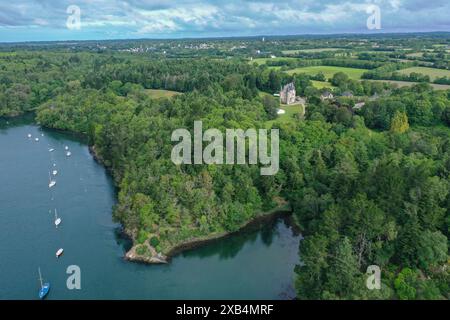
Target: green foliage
(142, 236)
(154, 242)
(399, 123)
(405, 284)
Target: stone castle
(287, 94)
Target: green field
(329, 71)
(261, 61)
(309, 50)
(415, 55)
(289, 116)
(409, 84)
(157, 94)
(432, 72)
(321, 84)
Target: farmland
(288, 52)
(329, 71)
(401, 84)
(433, 73)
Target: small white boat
(36, 139)
(51, 183)
(29, 135)
(66, 148)
(68, 153)
(57, 220)
(55, 172)
(59, 252)
(54, 164)
(42, 134)
(51, 150)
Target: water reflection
(230, 246)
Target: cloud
(185, 18)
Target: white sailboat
(29, 135)
(66, 148)
(68, 153)
(59, 252)
(55, 172)
(57, 220)
(51, 150)
(36, 139)
(51, 183)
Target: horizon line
(377, 33)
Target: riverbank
(158, 258)
(151, 256)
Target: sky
(47, 20)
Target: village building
(347, 94)
(326, 95)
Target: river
(255, 264)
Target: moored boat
(45, 287)
(59, 252)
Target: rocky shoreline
(155, 258)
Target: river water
(255, 264)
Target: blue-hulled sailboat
(45, 287)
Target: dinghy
(59, 252)
(57, 220)
(51, 183)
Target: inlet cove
(85, 196)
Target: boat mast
(40, 277)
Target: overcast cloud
(110, 19)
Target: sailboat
(68, 153)
(45, 287)
(51, 183)
(55, 172)
(51, 150)
(29, 135)
(59, 252)
(36, 139)
(66, 147)
(57, 220)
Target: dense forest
(367, 186)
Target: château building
(287, 94)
